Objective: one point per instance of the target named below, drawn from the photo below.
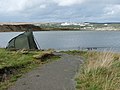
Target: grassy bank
(13, 64)
(100, 71)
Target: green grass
(13, 64)
(100, 71)
(9, 59)
(76, 52)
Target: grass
(13, 64)
(100, 71)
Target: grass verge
(100, 71)
(13, 64)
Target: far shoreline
(21, 27)
(63, 30)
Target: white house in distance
(73, 23)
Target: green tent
(23, 41)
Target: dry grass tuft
(101, 71)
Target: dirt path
(58, 75)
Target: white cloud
(19, 5)
(12, 5)
(68, 2)
(43, 6)
(112, 10)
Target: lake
(71, 40)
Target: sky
(59, 10)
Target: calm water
(70, 40)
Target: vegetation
(80, 26)
(15, 63)
(86, 26)
(100, 71)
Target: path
(58, 75)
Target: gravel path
(58, 75)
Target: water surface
(70, 40)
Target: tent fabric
(23, 41)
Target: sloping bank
(18, 27)
(13, 64)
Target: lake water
(71, 40)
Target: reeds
(101, 71)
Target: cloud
(21, 5)
(12, 5)
(59, 10)
(112, 10)
(43, 6)
(68, 2)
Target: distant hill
(56, 26)
(18, 27)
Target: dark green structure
(23, 41)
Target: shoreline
(63, 30)
(19, 27)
